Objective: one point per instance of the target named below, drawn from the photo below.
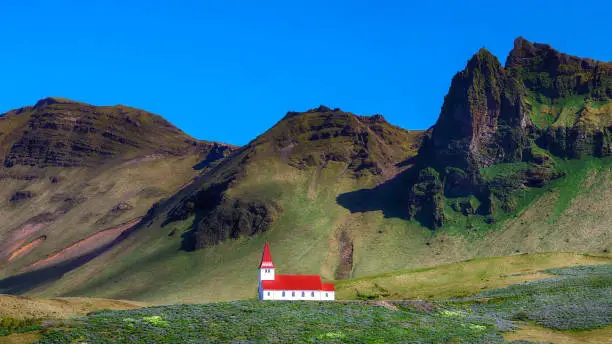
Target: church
(290, 287)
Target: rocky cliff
(543, 104)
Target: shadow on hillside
(390, 197)
(31, 280)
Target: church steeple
(266, 258)
(266, 267)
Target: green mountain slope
(348, 196)
(72, 175)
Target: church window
(303, 294)
(292, 293)
(325, 294)
(283, 294)
(312, 294)
(268, 293)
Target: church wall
(289, 295)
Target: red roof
(293, 282)
(327, 287)
(266, 259)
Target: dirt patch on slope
(345, 250)
(27, 248)
(84, 246)
(19, 237)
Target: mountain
(502, 130)
(235, 201)
(518, 162)
(75, 176)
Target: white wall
(266, 274)
(289, 295)
(328, 295)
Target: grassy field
(21, 318)
(19, 307)
(572, 305)
(463, 278)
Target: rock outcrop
(483, 120)
(542, 104)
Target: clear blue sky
(228, 70)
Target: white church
(290, 287)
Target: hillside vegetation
(462, 278)
(525, 312)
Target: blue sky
(228, 70)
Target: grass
(503, 170)
(285, 322)
(578, 298)
(22, 318)
(579, 180)
(9, 325)
(24, 308)
(572, 184)
(560, 112)
(573, 305)
(564, 112)
(463, 278)
(20, 338)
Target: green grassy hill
(73, 174)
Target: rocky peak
(53, 100)
(483, 58)
(553, 74)
(378, 118)
(482, 119)
(321, 108)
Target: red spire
(266, 259)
